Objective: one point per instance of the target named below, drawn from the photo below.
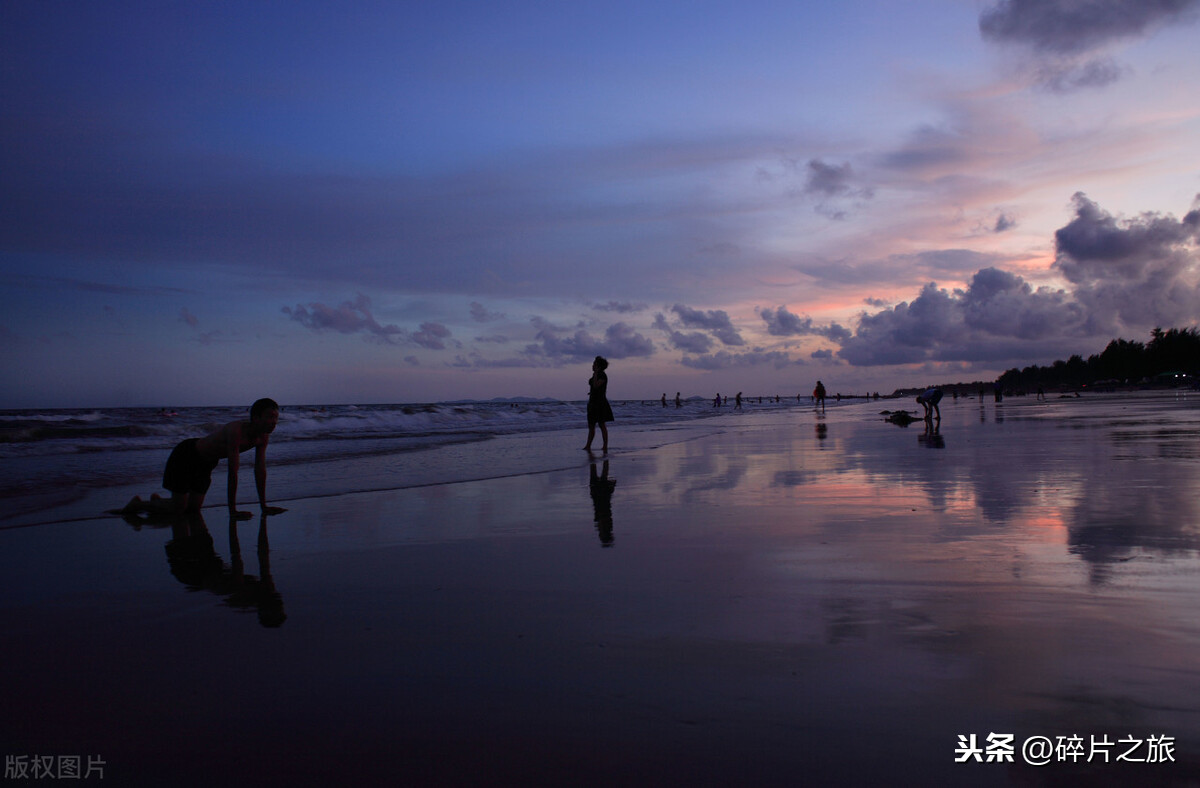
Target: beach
(775, 596)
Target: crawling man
(190, 466)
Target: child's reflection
(932, 437)
(602, 490)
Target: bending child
(930, 399)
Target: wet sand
(797, 599)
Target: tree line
(1123, 362)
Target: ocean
(71, 464)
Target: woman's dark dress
(598, 409)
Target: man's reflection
(194, 561)
(602, 490)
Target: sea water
(68, 464)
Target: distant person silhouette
(737, 401)
(664, 399)
(678, 401)
(599, 412)
(819, 395)
(930, 398)
(189, 468)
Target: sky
(207, 203)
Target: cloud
(622, 307)
(829, 182)
(481, 314)
(188, 317)
(1065, 76)
(620, 341)
(694, 342)
(1068, 37)
(782, 323)
(352, 317)
(1071, 27)
(431, 336)
(1124, 274)
(1132, 272)
(715, 321)
(726, 360)
(999, 317)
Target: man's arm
(260, 477)
(233, 439)
(260, 471)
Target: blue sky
(379, 202)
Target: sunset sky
(205, 203)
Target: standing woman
(598, 409)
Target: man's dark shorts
(187, 471)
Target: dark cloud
(715, 321)
(432, 336)
(727, 360)
(563, 346)
(822, 355)
(1069, 37)
(1004, 223)
(622, 307)
(1131, 272)
(480, 313)
(999, 317)
(1071, 26)
(831, 183)
(1067, 75)
(694, 342)
(826, 179)
(1125, 274)
(782, 323)
(352, 317)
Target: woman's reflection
(602, 489)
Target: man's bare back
(216, 445)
